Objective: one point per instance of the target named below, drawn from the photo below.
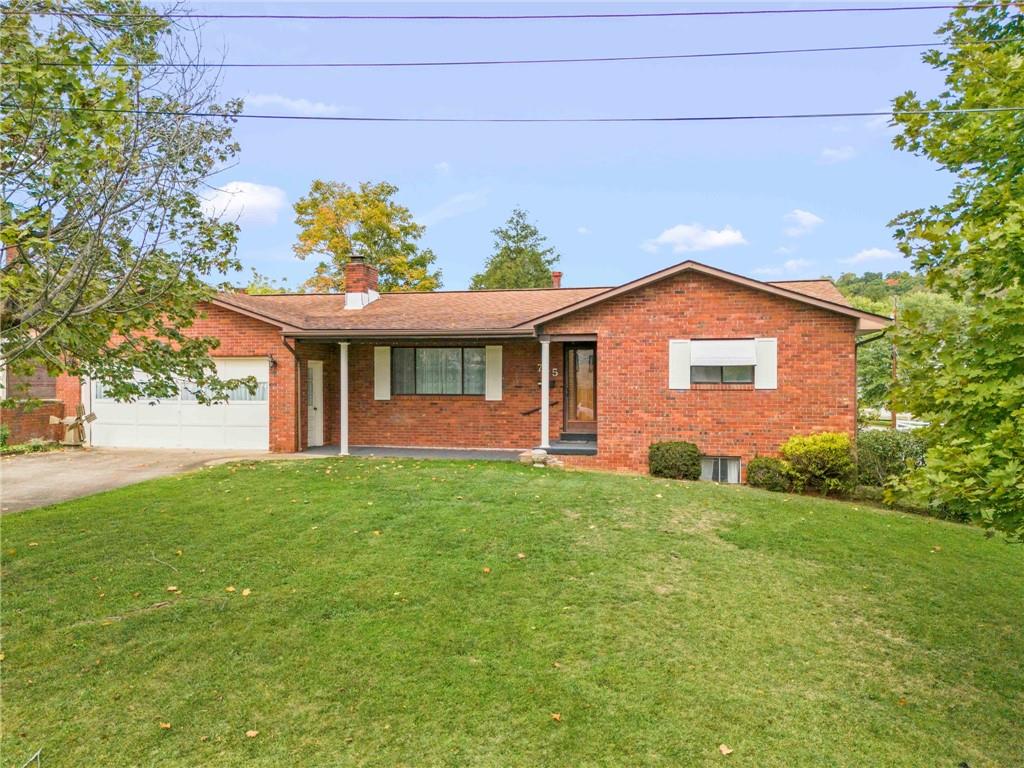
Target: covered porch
(481, 396)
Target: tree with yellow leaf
(336, 222)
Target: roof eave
(411, 333)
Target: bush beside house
(823, 462)
(884, 454)
(678, 460)
(770, 473)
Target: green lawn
(658, 619)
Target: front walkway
(418, 453)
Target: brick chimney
(556, 279)
(360, 283)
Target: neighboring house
(31, 419)
(693, 353)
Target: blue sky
(775, 200)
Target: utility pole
(892, 390)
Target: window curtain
(475, 373)
(439, 371)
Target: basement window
(722, 374)
(720, 469)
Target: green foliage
(521, 258)
(874, 358)
(34, 445)
(337, 222)
(261, 285)
(679, 460)
(822, 462)
(966, 371)
(107, 234)
(5, 435)
(886, 454)
(770, 473)
(878, 288)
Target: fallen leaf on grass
(252, 734)
(724, 749)
(33, 543)
(486, 569)
(246, 592)
(165, 726)
(173, 588)
(556, 716)
(229, 589)
(521, 555)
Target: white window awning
(723, 352)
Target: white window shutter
(492, 368)
(766, 375)
(382, 373)
(679, 364)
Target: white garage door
(242, 422)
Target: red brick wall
(240, 336)
(816, 371)
(453, 421)
(26, 424)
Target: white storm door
(315, 403)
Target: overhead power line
(508, 17)
(488, 62)
(642, 119)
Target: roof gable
(804, 291)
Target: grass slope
(659, 619)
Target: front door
(315, 403)
(581, 389)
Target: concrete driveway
(38, 479)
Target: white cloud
(245, 201)
(296, 106)
(871, 254)
(801, 222)
(457, 205)
(795, 265)
(788, 267)
(833, 155)
(582, 231)
(878, 122)
(784, 250)
(695, 237)
(443, 168)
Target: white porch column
(343, 398)
(545, 398)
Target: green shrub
(5, 435)
(821, 462)
(769, 473)
(679, 460)
(883, 454)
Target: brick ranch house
(694, 353)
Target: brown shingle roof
(819, 289)
(444, 311)
(491, 312)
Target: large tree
(108, 249)
(966, 373)
(336, 222)
(521, 258)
